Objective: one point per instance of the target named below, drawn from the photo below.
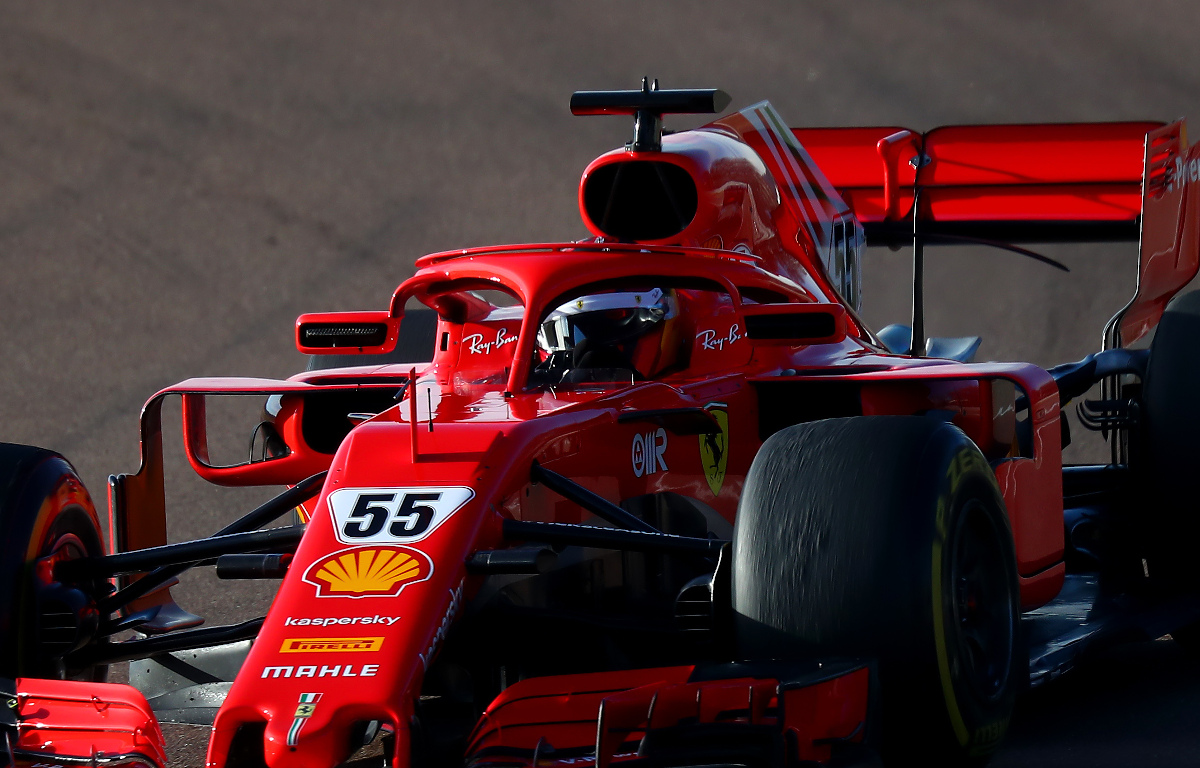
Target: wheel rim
(65, 546)
(58, 618)
(68, 546)
(983, 620)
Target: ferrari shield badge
(714, 447)
(304, 710)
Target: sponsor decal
(319, 670)
(447, 620)
(322, 621)
(477, 346)
(711, 340)
(714, 448)
(368, 572)
(305, 709)
(331, 644)
(648, 450)
(385, 515)
(1186, 171)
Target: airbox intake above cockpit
(640, 199)
(702, 187)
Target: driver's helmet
(620, 330)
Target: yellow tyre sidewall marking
(939, 623)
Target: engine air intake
(640, 199)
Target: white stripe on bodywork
(821, 217)
(752, 116)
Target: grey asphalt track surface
(179, 180)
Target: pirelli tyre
(1169, 452)
(46, 516)
(886, 538)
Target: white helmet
(603, 319)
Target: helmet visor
(607, 318)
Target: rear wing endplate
(1170, 237)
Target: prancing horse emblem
(714, 448)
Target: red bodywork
(63, 721)
(779, 228)
(619, 715)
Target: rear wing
(1029, 183)
(1170, 243)
(1033, 183)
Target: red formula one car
(658, 497)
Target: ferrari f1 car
(657, 497)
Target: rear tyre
(1171, 451)
(886, 537)
(46, 516)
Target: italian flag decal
(307, 705)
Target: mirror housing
(347, 333)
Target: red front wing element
(64, 722)
(670, 715)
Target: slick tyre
(45, 515)
(886, 538)
(1171, 427)
(1170, 452)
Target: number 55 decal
(382, 515)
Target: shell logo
(368, 571)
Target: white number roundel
(383, 515)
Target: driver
(628, 331)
